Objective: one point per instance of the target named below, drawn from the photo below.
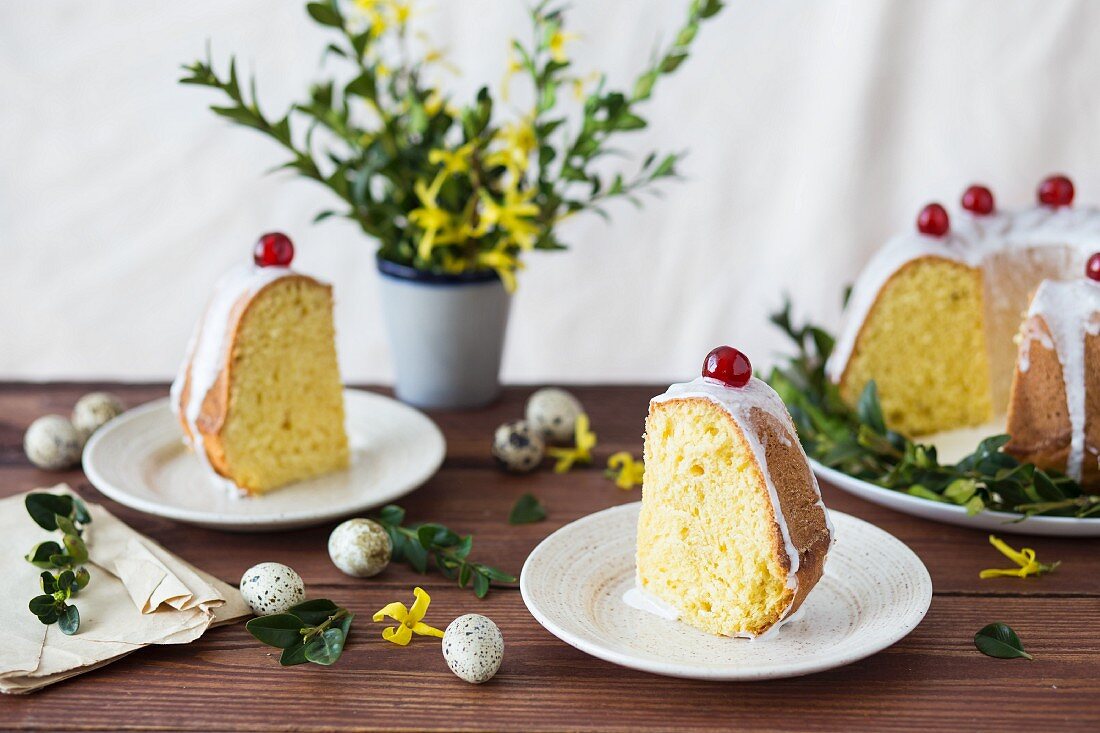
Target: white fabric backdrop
(814, 129)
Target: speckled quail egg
(360, 547)
(52, 443)
(93, 410)
(473, 647)
(552, 413)
(271, 587)
(517, 448)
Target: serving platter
(955, 514)
(875, 590)
(139, 460)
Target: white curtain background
(815, 130)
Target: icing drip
(739, 403)
(1071, 311)
(975, 241)
(206, 350)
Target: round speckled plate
(139, 459)
(875, 591)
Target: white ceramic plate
(875, 590)
(954, 514)
(139, 459)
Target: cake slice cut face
(732, 532)
(260, 396)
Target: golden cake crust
(214, 407)
(1038, 419)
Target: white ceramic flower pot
(446, 334)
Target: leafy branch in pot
(449, 189)
(67, 514)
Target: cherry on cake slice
(259, 394)
(732, 533)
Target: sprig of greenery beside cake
(445, 188)
(857, 442)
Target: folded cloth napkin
(139, 594)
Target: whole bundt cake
(259, 393)
(732, 533)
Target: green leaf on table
(43, 604)
(295, 654)
(281, 630)
(1000, 641)
(66, 525)
(66, 581)
(527, 510)
(76, 548)
(69, 620)
(481, 585)
(314, 612)
(48, 582)
(326, 648)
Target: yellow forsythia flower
(454, 161)
(1025, 558)
(625, 470)
(584, 440)
(557, 45)
(409, 620)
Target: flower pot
(446, 334)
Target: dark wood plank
(932, 679)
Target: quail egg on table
(93, 410)
(360, 548)
(52, 443)
(271, 587)
(552, 413)
(517, 448)
(473, 647)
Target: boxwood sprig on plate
(67, 514)
(420, 545)
(858, 443)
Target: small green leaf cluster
(445, 187)
(1000, 641)
(67, 514)
(858, 443)
(527, 510)
(312, 631)
(422, 544)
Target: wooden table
(933, 679)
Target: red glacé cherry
(728, 365)
(1056, 191)
(933, 221)
(1092, 269)
(273, 249)
(978, 200)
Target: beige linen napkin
(139, 594)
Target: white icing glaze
(739, 403)
(975, 241)
(206, 351)
(1071, 311)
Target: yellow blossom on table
(584, 440)
(1025, 558)
(625, 470)
(454, 161)
(409, 620)
(557, 45)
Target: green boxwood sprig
(858, 443)
(67, 514)
(422, 544)
(312, 631)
